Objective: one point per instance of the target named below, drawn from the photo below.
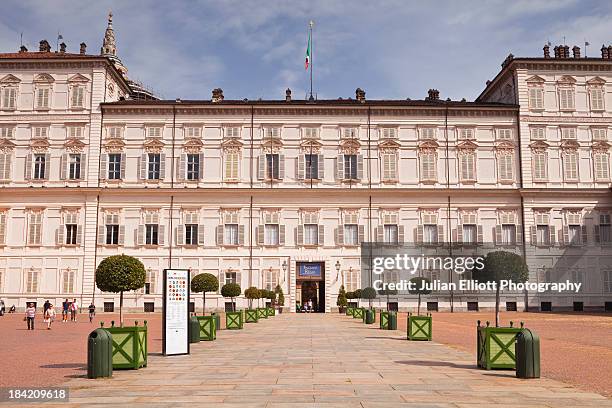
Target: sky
(393, 49)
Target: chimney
(609, 51)
(360, 95)
(566, 53)
(556, 51)
(288, 95)
(23, 49)
(217, 95)
(44, 46)
(83, 48)
(604, 52)
(63, 48)
(576, 51)
(433, 95)
(546, 51)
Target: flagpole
(311, 23)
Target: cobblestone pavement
(321, 361)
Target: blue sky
(255, 49)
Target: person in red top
(30, 314)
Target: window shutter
(201, 235)
(534, 235)
(400, 234)
(241, 235)
(281, 166)
(47, 168)
(551, 230)
(162, 166)
(459, 234)
(180, 169)
(5, 166)
(340, 167)
(596, 236)
(519, 234)
(142, 165)
(103, 166)
(83, 165)
(281, 235)
(321, 167)
(63, 166)
(418, 235)
(140, 235)
(565, 236)
(219, 234)
(5, 98)
(300, 166)
(361, 234)
(497, 231)
(380, 233)
(123, 165)
(79, 237)
(101, 235)
(161, 235)
(321, 237)
(359, 166)
(59, 235)
(259, 231)
(299, 235)
(200, 166)
(583, 231)
(261, 167)
(121, 234)
(479, 235)
(440, 234)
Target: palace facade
(283, 192)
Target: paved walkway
(323, 361)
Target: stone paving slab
(315, 360)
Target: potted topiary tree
(351, 306)
(251, 294)
(341, 302)
(369, 293)
(271, 296)
(499, 265)
(204, 282)
(281, 298)
(419, 327)
(233, 319)
(262, 312)
(120, 273)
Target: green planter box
(208, 328)
(349, 311)
(262, 313)
(129, 346)
(270, 311)
(233, 320)
(419, 327)
(250, 316)
(384, 320)
(392, 321)
(358, 313)
(496, 346)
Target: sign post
(175, 320)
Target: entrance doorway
(310, 286)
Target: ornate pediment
(44, 78)
(193, 145)
(74, 146)
(10, 79)
(504, 147)
(535, 80)
(429, 144)
(467, 145)
(350, 146)
(539, 146)
(566, 80)
(39, 145)
(6, 146)
(78, 78)
(153, 146)
(311, 146)
(569, 145)
(114, 145)
(601, 146)
(272, 146)
(388, 146)
(596, 81)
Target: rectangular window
(607, 281)
(538, 133)
(348, 133)
(270, 279)
(430, 234)
(428, 167)
(427, 133)
(310, 133)
(605, 233)
(114, 132)
(566, 99)
(3, 222)
(504, 134)
(68, 281)
(193, 132)
(232, 169)
(71, 234)
(5, 166)
(272, 133)
(231, 277)
(40, 166)
(391, 234)
(602, 167)
(232, 132)
(74, 167)
(597, 99)
(467, 167)
(469, 234)
(193, 167)
(536, 98)
(388, 133)
(311, 162)
(539, 166)
(112, 229)
(311, 234)
(570, 166)
(599, 134)
(568, 133)
(351, 234)
(9, 98)
(351, 280)
(508, 236)
(75, 132)
(350, 167)
(272, 166)
(230, 237)
(35, 228)
(389, 166)
(153, 166)
(114, 166)
(40, 132)
(465, 134)
(7, 132)
(506, 167)
(150, 282)
(543, 235)
(574, 234)
(32, 278)
(77, 98)
(154, 132)
(151, 234)
(42, 98)
(271, 236)
(191, 234)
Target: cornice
(564, 119)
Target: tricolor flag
(307, 62)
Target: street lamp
(284, 265)
(337, 270)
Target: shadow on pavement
(436, 363)
(79, 366)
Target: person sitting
(12, 309)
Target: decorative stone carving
(272, 146)
(74, 146)
(231, 146)
(39, 145)
(428, 146)
(6, 146)
(153, 146)
(350, 146)
(601, 147)
(539, 146)
(311, 146)
(114, 145)
(388, 146)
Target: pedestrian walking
(73, 310)
(65, 305)
(92, 311)
(49, 316)
(30, 314)
(1, 307)
(46, 306)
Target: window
(465, 133)
(114, 166)
(351, 234)
(5, 166)
(114, 132)
(40, 132)
(231, 277)
(599, 134)
(272, 166)
(570, 165)
(31, 280)
(154, 132)
(232, 166)
(469, 233)
(42, 98)
(271, 236)
(7, 132)
(539, 166)
(272, 132)
(311, 234)
(40, 166)
(153, 166)
(538, 133)
(191, 234)
(77, 97)
(348, 133)
(427, 133)
(3, 222)
(605, 233)
(112, 229)
(506, 167)
(574, 228)
(193, 167)
(71, 234)
(232, 132)
(568, 133)
(230, 234)
(542, 229)
(536, 98)
(311, 162)
(150, 280)
(350, 167)
(389, 166)
(428, 166)
(566, 98)
(467, 166)
(602, 167)
(607, 273)
(508, 236)
(597, 99)
(74, 132)
(151, 234)
(9, 98)
(430, 234)
(74, 167)
(193, 132)
(388, 133)
(68, 281)
(310, 133)
(351, 280)
(504, 134)
(270, 279)
(35, 228)
(391, 234)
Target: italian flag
(307, 62)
